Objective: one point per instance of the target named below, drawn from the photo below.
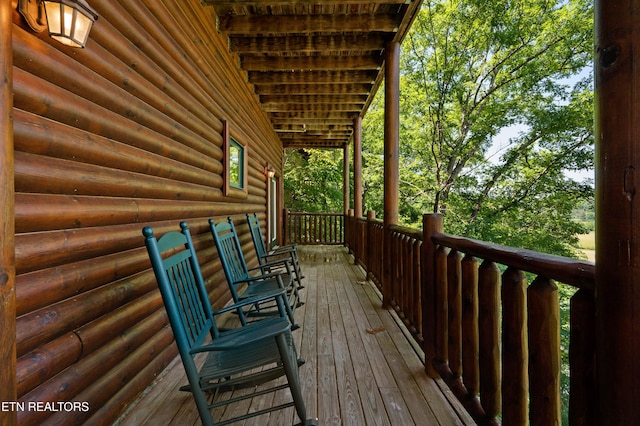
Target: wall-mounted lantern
(269, 171)
(68, 21)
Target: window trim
(233, 189)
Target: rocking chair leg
(290, 364)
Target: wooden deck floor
(360, 368)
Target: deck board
(360, 368)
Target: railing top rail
(314, 214)
(411, 232)
(575, 272)
(375, 221)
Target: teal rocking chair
(283, 252)
(247, 283)
(238, 358)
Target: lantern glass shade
(69, 21)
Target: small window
(235, 165)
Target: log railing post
(369, 242)
(489, 334)
(431, 224)
(441, 306)
(544, 352)
(416, 296)
(470, 342)
(582, 351)
(515, 377)
(353, 245)
(7, 219)
(454, 298)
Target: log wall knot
(609, 55)
(629, 183)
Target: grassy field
(587, 243)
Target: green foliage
(469, 71)
(313, 180)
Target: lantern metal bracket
(33, 13)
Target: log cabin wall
(124, 133)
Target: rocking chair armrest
(252, 300)
(284, 249)
(285, 256)
(277, 262)
(260, 277)
(247, 335)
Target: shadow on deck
(360, 368)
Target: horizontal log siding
(124, 133)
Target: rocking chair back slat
(181, 285)
(266, 256)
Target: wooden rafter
(313, 89)
(309, 24)
(315, 64)
(306, 45)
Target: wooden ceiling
(315, 64)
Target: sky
(501, 140)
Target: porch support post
(8, 390)
(345, 178)
(391, 156)
(357, 166)
(617, 130)
(280, 203)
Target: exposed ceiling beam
(281, 107)
(272, 63)
(303, 44)
(318, 77)
(330, 116)
(306, 24)
(312, 89)
(313, 99)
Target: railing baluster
(416, 318)
(441, 305)
(405, 276)
(489, 333)
(454, 296)
(470, 344)
(544, 351)
(515, 380)
(582, 349)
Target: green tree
(472, 69)
(313, 180)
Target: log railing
(313, 228)
(494, 339)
